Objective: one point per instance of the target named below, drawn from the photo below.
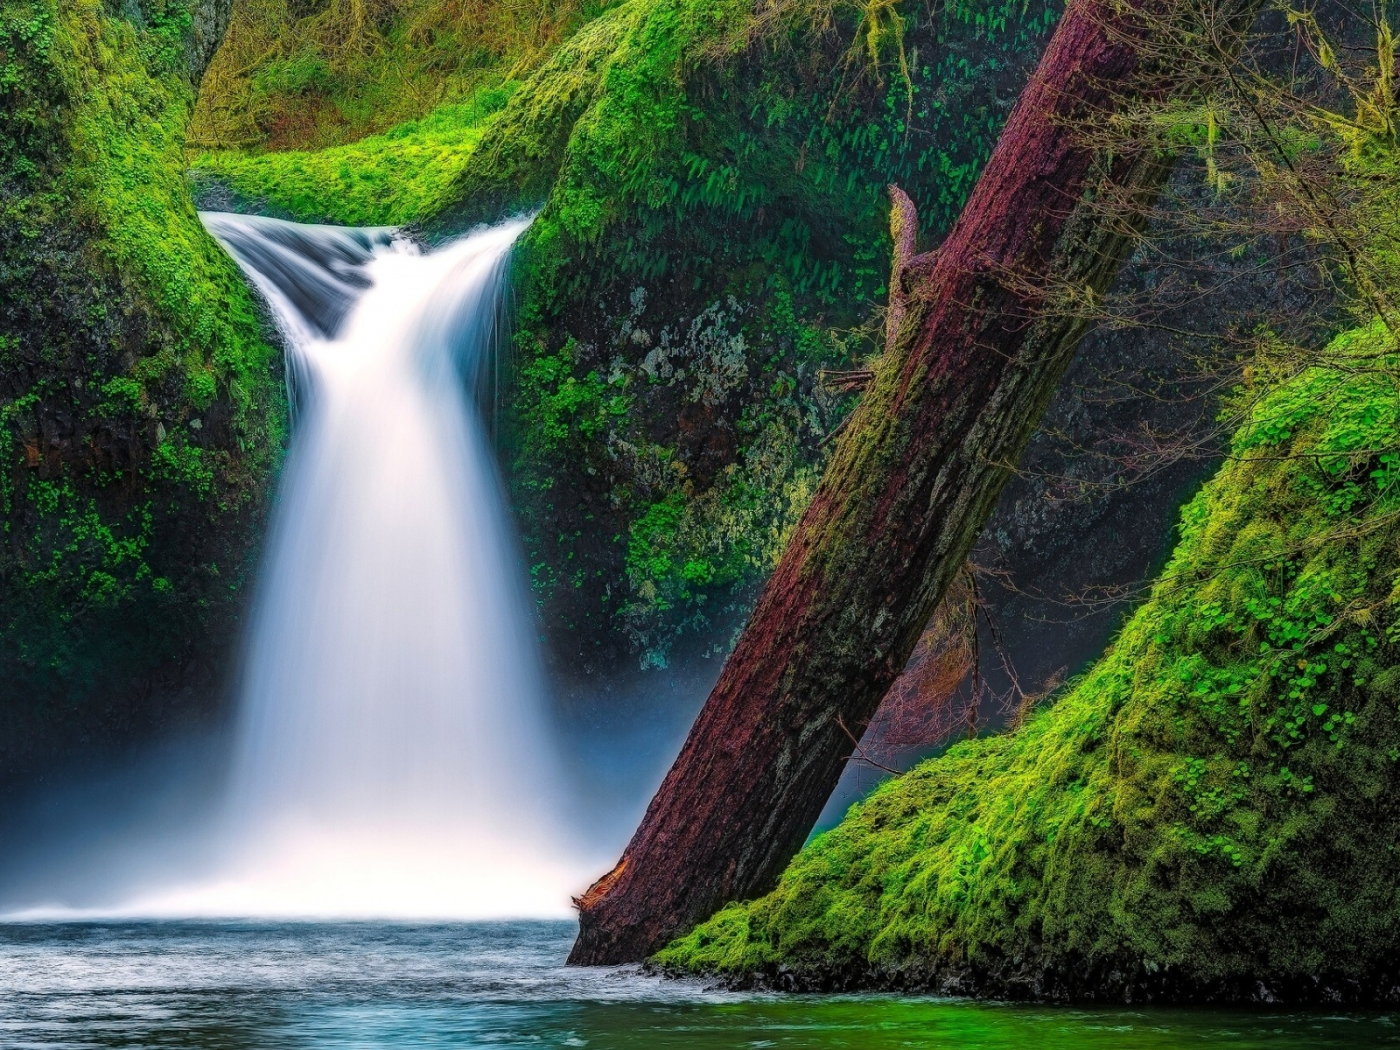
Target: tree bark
(978, 337)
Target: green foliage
(565, 408)
(689, 546)
(123, 175)
(307, 74)
(126, 331)
(390, 179)
(1212, 806)
(731, 172)
(27, 136)
(664, 114)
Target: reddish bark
(937, 696)
(976, 346)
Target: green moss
(121, 177)
(713, 230)
(141, 411)
(691, 545)
(400, 176)
(664, 113)
(306, 74)
(1212, 806)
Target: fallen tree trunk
(979, 335)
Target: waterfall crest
(393, 755)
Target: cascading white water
(393, 756)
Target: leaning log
(979, 336)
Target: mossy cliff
(711, 179)
(1212, 811)
(140, 408)
(308, 74)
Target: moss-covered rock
(141, 409)
(401, 176)
(1212, 811)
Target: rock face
(209, 20)
(141, 410)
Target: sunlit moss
(307, 74)
(401, 176)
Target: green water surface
(387, 986)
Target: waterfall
(393, 754)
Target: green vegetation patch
(141, 410)
(713, 234)
(390, 179)
(307, 74)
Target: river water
(385, 986)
